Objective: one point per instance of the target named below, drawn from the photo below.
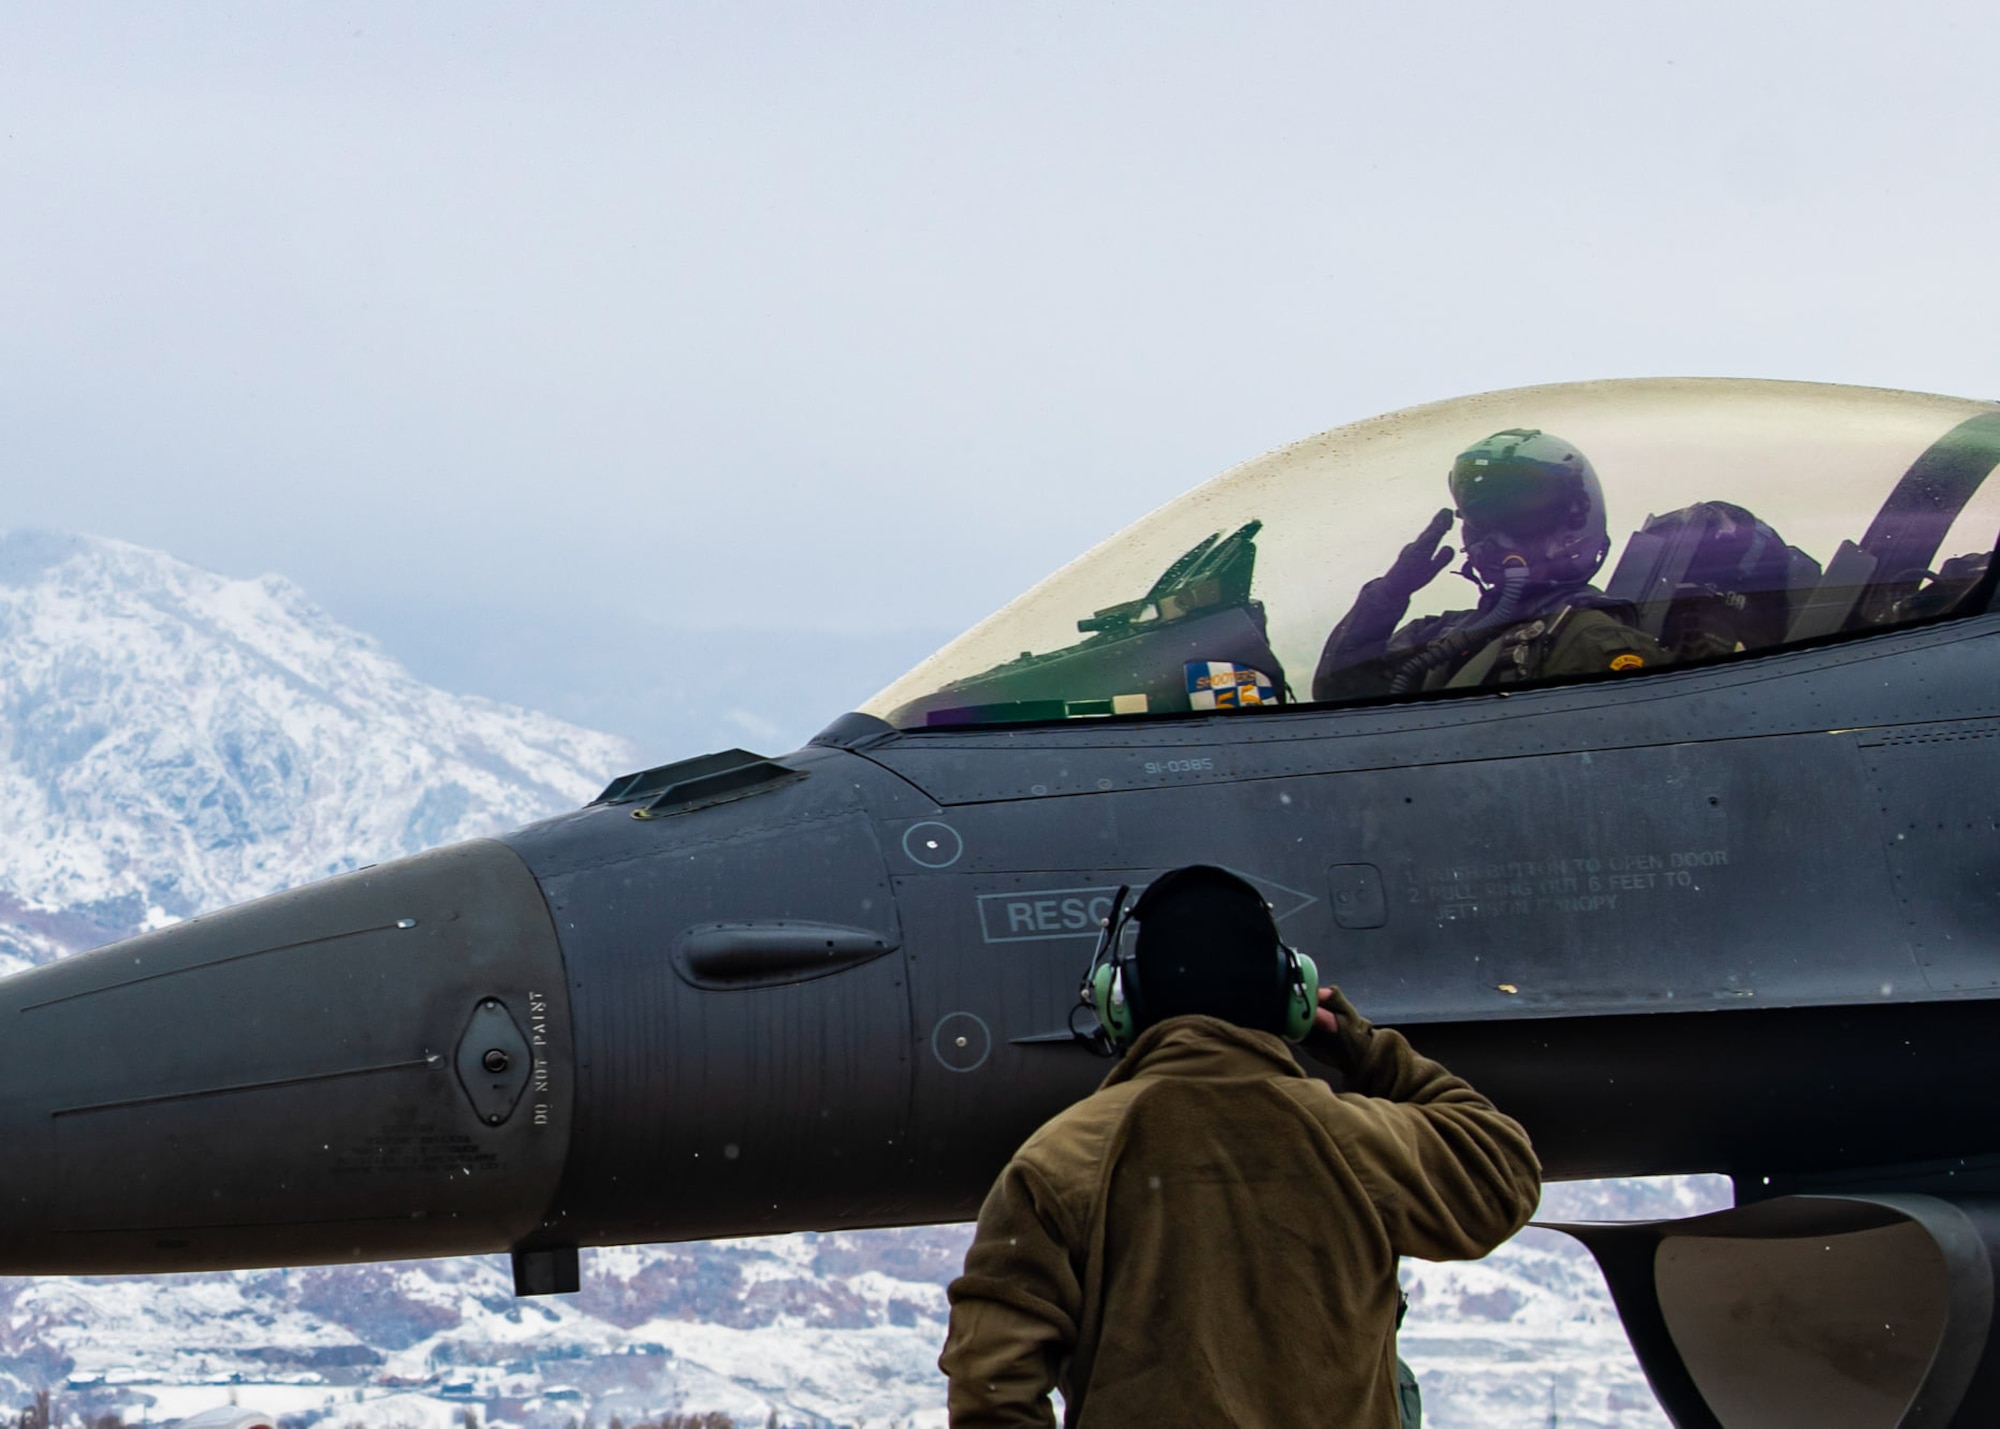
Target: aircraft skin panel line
(414, 1064)
(398, 925)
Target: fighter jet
(1668, 817)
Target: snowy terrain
(820, 1329)
(172, 741)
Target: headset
(1111, 988)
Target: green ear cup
(1114, 1014)
(1304, 1001)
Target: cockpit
(1592, 530)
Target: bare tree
(40, 1414)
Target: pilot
(1213, 1236)
(1534, 530)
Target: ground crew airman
(1213, 1236)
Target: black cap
(1208, 944)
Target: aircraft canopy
(1740, 516)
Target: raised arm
(1451, 1175)
(1350, 665)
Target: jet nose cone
(370, 1066)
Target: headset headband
(1112, 989)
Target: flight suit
(1564, 631)
(1575, 640)
(1213, 1237)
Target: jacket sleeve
(1451, 1175)
(1354, 663)
(1014, 1310)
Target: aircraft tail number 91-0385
(1633, 746)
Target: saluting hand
(1420, 561)
(1324, 1018)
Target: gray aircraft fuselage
(1732, 918)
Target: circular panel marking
(933, 845)
(961, 1042)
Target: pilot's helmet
(1526, 494)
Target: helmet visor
(1514, 494)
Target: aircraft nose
(370, 1066)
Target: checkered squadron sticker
(1222, 685)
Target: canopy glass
(1740, 517)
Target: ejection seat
(1711, 579)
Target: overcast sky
(504, 329)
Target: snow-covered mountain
(172, 741)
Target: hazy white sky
(486, 317)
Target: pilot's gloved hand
(1339, 1035)
(1379, 607)
(1420, 561)
(1363, 633)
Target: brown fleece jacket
(1212, 1236)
